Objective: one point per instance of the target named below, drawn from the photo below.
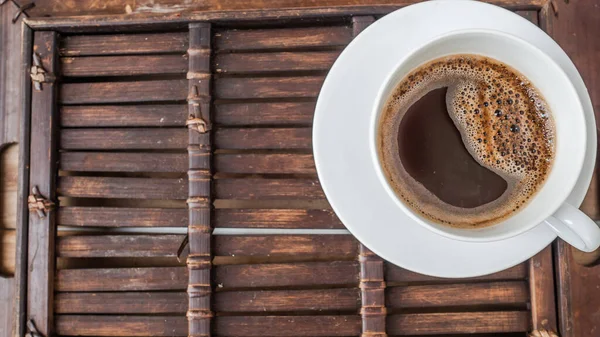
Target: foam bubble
(503, 121)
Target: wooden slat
(166, 245)
(121, 217)
(217, 10)
(122, 279)
(288, 38)
(133, 326)
(114, 139)
(276, 218)
(250, 326)
(297, 245)
(111, 187)
(296, 113)
(176, 138)
(121, 303)
(42, 175)
(123, 115)
(458, 323)
(80, 45)
(287, 274)
(287, 300)
(268, 189)
(280, 138)
(267, 87)
(448, 295)
(396, 274)
(541, 287)
(265, 163)
(123, 92)
(118, 245)
(274, 62)
(336, 273)
(123, 65)
(123, 162)
(276, 326)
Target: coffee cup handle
(576, 228)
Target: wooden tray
(158, 128)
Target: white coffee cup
(548, 206)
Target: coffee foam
(504, 123)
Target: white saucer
(340, 138)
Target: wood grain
(265, 163)
(133, 326)
(177, 8)
(574, 29)
(300, 274)
(296, 245)
(252, 63)
(123, 115)
(529, 15)
(130, 44)
(267, 87)
(450, 295)
(248, 114)
(7, 319)
(264, 138)
(268, 189)
(131, 139)
(112, 187)
(276, 218)
(288, 300)
(121, 217)
(92, 66)
(123, 92)
(9, 154)
(458, 323)
(396, 274)
(122, 279)
(90, 325)
(118, 245)
(175, 138)
(42, 165)
(11, 76)
(123, 162)
(120, 303)
(287, 38)
(541, 287)
(234, 301)
(254, 326)
(339, 273)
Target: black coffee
(465, 140)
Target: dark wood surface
(237, 118)
(578, 285)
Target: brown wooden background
(573, 27)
